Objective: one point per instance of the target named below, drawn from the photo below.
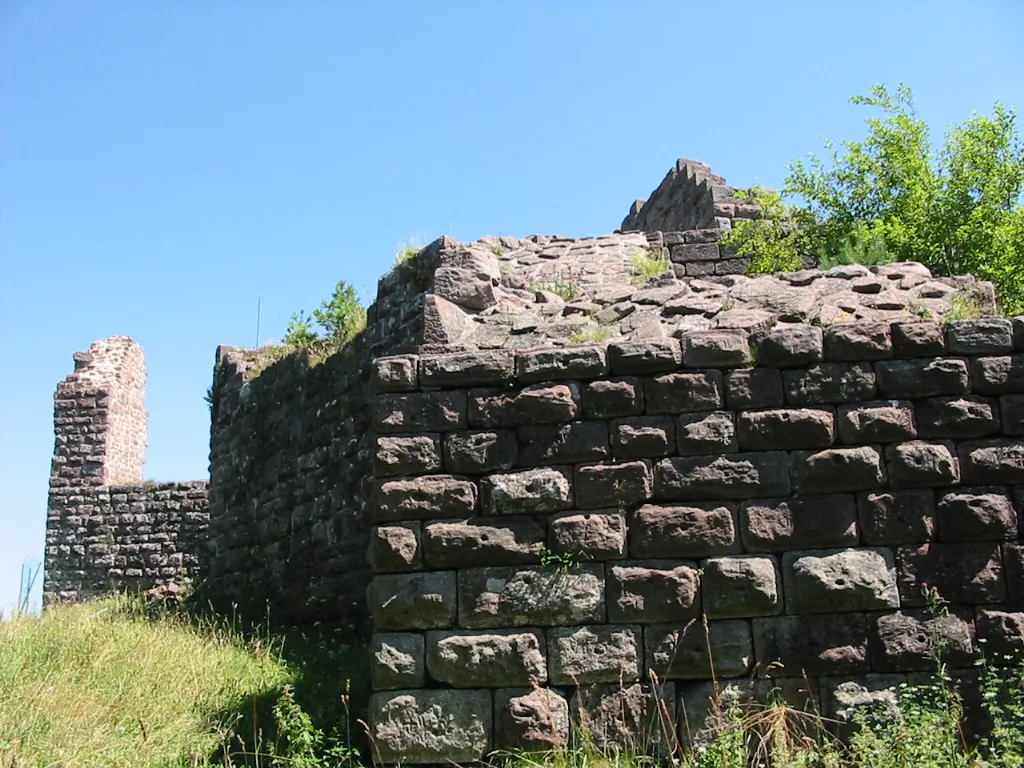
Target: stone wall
(105, 528)
(569, 531)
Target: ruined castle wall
(557, 529)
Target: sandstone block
(701, 704)
(652, 592)
(613, 714)
(837, 470)
(531, 491)
(681, 651)
(785, 428)
(524, 597)
(906, 640)
(829, 383)
(578, 362)
(834, 644)
(412, 600)
(397, 660)
(731, 476)
(597, 535)
(696, 530)
(918, 339)
(482, 541)
(919, 464)
(571, 443)
(395, 548)
(986, 336)
(720, 348)
(420, 412)
(407, 455)
(1003, 633)
(479, 452)
(741, 587)
(423, 498)
(827, 580)
(596, 654)
(798, 522)
(957, 417)
(753, 388)
(682, 392)
(923, 378)
(431, 726)
(705, 432)
(992, 462)
(652, 356)
(481, 659)
(896, 517)
(612, 398)
(619, 485)
(1012, 409)
(476, 368)
(532, 719)
(643, 436)
(1013, 564)
(877, 422)
(1018, 333)
(976, 514)
(687, 252)
(963, 573)
(858, 341)
(998, 375)
(791, 346)
(537, 404)
(471, 286)
(394, 374)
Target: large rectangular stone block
(857, 341)
(478, 367)
(786, 428)
(420, 412)
(896, 517)
(976, 514)
(829, 580)
(719, 348)
(595, 654)
(792, 345)
(682, 392)
(413, 455)
(829, 383)
(612, 398)
(424, 498)
(753, 388)
(482, 541)
(799, 522)
(691, 650)
(613, 715)
(592, 535)
(957, 417)
(395, 548)
(397, 660)
(397, 373)
(705, 432)
(923, 378)
(919, 464)
(649, 356)
(838, 470)
(731, 476)
(487, 659)
(908, 640)
(536, 404)
(822, 644)
(877, 422)
(643, 437)
(998, 375)
(1003, 635)
(741, 587)
(571, 443)
(412, 600)
(622, 485)
(652, 591)
(985, 336)
(919, 339)
(992, 462)
(523, 597)
(695, 530)
(577, 362)
(529, 491)
(1012, 412)
(531, 719)
(963, 573)
(431, 726)
(481, 451)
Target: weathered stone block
(594, 535)
(537, 404)
(976, 514)
(957, 417)
(652, 591)
(837, 470)
(827, 580)
(998, 375)
(918, 464)
(396, 660)
(470, 283)
(829, 383)
(1018, 333)
(1012, 408)
(858, 341)
(420, 412)
(479, 452)
(732, 476)
(702, 433)
(531, 491)
(741, 587)
(532, 719)
(643, 436)
(611, 398)
(395, 374)
(695, 530)
(482, 541)
(720, 348)
(687, 252)
(1013, 565)
(613, 714)
(688, 651)
(412, 600)
(877, 422)
(992, 462)
(601, 654)
(407, 455)
(753, 388)
(423, 498)
(465, 659)
(785, 428)
(651, 356)
(907, 640)
(476, 368)
(395, 548)
(918, 339)
(963, 573)
(1003, 633)
(577, 362)
(834, 644)
(896, 517)
(799, 522)
(431, 726)
(986, 336)
(571, 443)
(791, 346)
(619, 485)
(682, 392)
(524, 597)
(923, 378)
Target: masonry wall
(553, 527)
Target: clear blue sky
(164, 165)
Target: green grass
(648, 264)
(592, 334)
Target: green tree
(341, 317)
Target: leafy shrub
(648, 264)
(342, 318)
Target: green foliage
(864, 244)
(567, 289)
(407, 252)
(560, 562)
(781, 240)
(648, 264)
(592, 334)
(341, 319)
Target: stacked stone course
(794, 488)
